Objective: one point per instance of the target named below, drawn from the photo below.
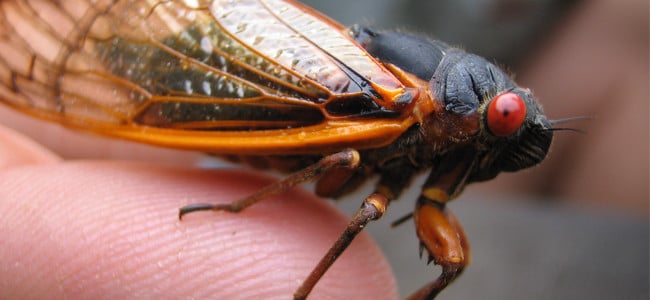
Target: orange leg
(443, 238)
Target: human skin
(106, 229)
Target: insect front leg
(348, 158)
(440, 233)
(442, 236)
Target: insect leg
(348, 158)
(443, 238)
(440, 233)
(393, 180)
(373, 208)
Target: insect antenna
(570, 119)
(566, 129)
(567, 120)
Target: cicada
(278, 81)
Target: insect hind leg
(348, 158)
(372, 208)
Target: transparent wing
(157, 70)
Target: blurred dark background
(575, 227)
(501, 29)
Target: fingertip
(110, 230)
(17, 149)
(279, 241)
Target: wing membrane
(166, 68)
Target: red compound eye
(505, 114)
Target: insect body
(278, 80)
